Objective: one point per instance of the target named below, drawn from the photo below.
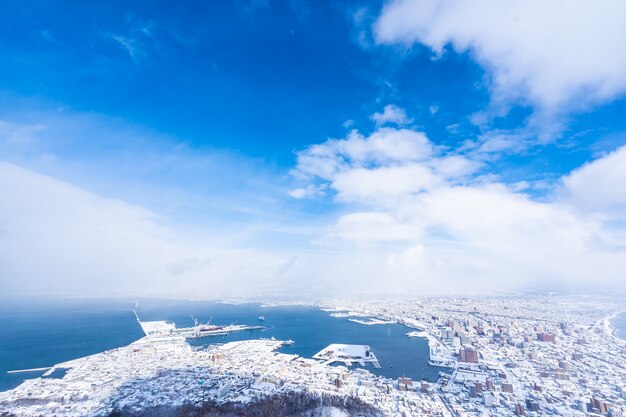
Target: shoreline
(609, 328)
(417, 329)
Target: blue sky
(306, 139)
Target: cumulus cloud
(383, 184)
(442, 226)
(399, 215)
(457, 236)
(387, 164)
(391, 114)
(557, 56)
(385, 145)
(599, 185)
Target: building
(404, 384)
(479, 387)
(468, 355)
(490, 386)
(223, 390)
(597, 406)
(456, 342)
(546, 337)
(532, 405)
(447, 334)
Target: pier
(347, 354)
(19, 371)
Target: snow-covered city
(534, 356)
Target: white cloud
(16, 136)
(132, 46)
(384, 146)
(599, 185)
(402, 216)
(348, 123)
(195, 186)
(501, 141)
(368, 227)
(140, 37)
(558, 55)
(438, 225)
(455, 166)
(57, 239)
(391, 114)
(380, 168)
(307, 192)
(410, 258)
(385, 184)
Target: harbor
(162, 329)
(110, 325)
(386, 365)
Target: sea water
(619, 324)
(40, 333)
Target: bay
(40, 333)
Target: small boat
(261, 318)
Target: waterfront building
(468, 355)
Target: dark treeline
(290, 404)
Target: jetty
(347, 354)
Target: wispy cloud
(132, 46)
(138, 39)
(58, 239)
(203, 185)
(14, 136)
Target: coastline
(609, 327)
(418, 329)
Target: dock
(347, 354)
(19, 371)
